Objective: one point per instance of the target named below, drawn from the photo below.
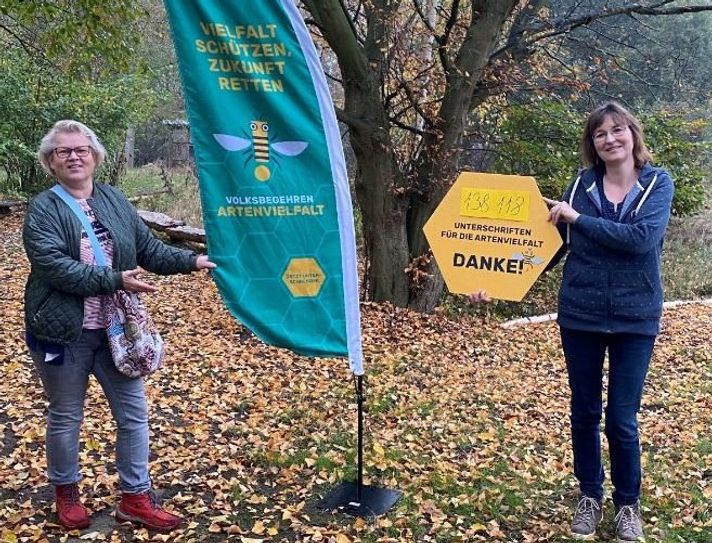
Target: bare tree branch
(443, 39)
(549, 29)
(340, 33)
(423, 17)
(408, 127)
(30, 48)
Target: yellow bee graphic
(261, 147)
(528, 258)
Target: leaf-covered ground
(467, 419)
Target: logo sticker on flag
(275, 194)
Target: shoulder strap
(79, 212)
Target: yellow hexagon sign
(491, 232)
(303, 277)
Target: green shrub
(541, 140)
(33, 96)
(678, 144)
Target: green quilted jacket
(59, 281)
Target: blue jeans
(629, 357)
(65, 386)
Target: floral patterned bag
(136, 346)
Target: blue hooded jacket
(612, 279)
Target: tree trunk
(129, 146)
(384, 235)
(382, 205)
(398, 266)
(379, 184)
(437, 168)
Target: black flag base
(371, 501)
(356, 499)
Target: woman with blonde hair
(65, 314)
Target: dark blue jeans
(628, 360)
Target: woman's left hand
(204, 264)
(561, 212)
(478, 297)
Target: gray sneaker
(586, 519)
(629, 525)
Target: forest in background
(423, 90)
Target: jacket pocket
(634, 295)
(584, 294)
(58, 319)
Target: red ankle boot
(71, 512)
(144, 508)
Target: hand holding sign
(479, 297)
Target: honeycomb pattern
(279, 275)
(303, 277)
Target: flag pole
(354, 498)
(359, 403)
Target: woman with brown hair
(613, 219)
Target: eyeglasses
(65, 152)
(616, 132)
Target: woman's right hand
(561, 212)
(132, 283)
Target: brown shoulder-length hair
(622, 116)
